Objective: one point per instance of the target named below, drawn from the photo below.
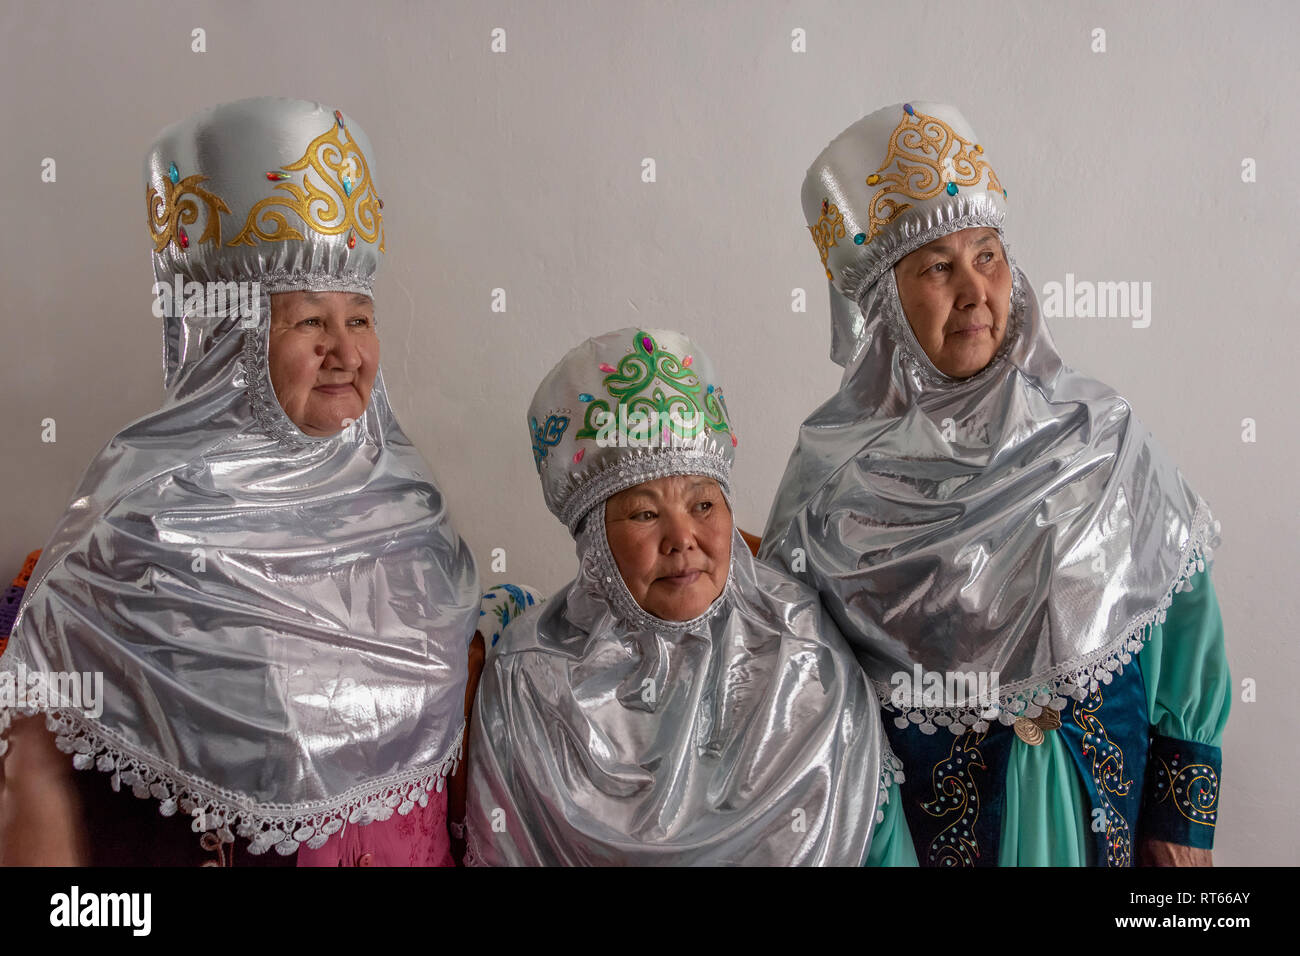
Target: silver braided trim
(637, 465)
(905, 235)
(268, 414)
(615, 589)
(1075, 678)
(284, 280)
(228, 814)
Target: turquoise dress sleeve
(1189, 692)
(891, 841)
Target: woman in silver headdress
(262, 571)
(996, 534)
(677, 703)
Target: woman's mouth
(685, 579)
(334, 389)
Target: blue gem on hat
(584, 397)
(907, 108)
(860, 238)
(952, 189)
(173, 174)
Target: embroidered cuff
(1181, 802)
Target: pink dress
(418, 839)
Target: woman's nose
(339, 348)
(971, 289)
(678, 534)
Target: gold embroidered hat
(893, 181)
(276, 190)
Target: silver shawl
(281, 621)
(603, 735)
(1020, 526)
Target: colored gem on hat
(347, 186)
(381, 204)
(647, 344)
(606, 367)
(1004, 194)
(873, 179)
(686, 362)
(826, 205)
(185, 239)
(339, 117)
(578, 457)
(352, 239)
(907, 108)
(952, 189)
(584, 397)
(710, 389)
(979, 148)
(860, 238)
(173, 174)
(734, 440)
(828, 274)
(276, 177)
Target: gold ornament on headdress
(171, 212)
(829, 228)
(336, 195)
(926, 157)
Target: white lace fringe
(1075, 679)
(228, 814)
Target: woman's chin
(682, 608)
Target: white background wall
(521, 170)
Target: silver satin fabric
(964, 525)
(603, 735)
(282, 620)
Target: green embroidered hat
(626, 407)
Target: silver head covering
(1020, 525)
(605, 735)
(281, 620)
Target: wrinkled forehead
(663, 488)
(954, 243)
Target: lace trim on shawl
(228, 814)
(891, 772)
(1075, 678)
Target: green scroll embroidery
(677, 402)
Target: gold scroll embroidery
(169, 212)
(829, 228)
(323, 201)
(925, 154)
(1108, 776)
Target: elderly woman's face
(671, 539)
(955, 292)
(324, 355)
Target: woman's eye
(705, 506)
(362, 319)
(937, 267)
(307, 321)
